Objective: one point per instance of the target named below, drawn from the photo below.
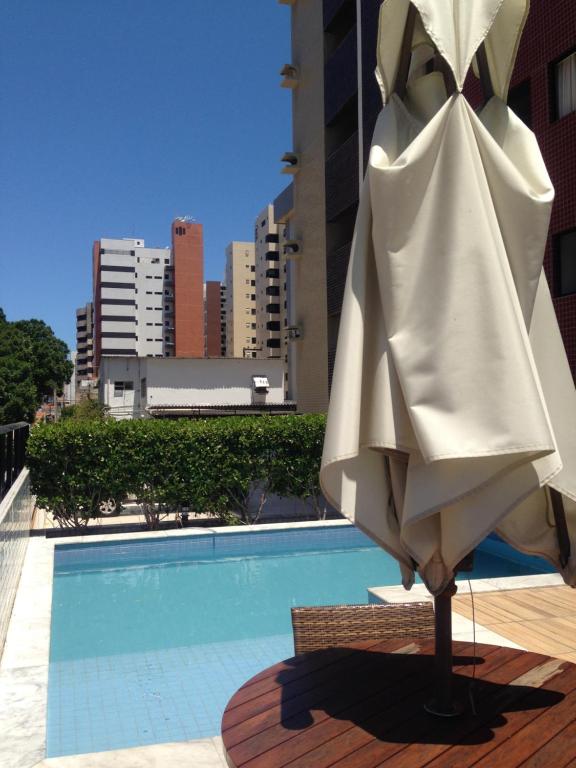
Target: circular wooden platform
(363, 705)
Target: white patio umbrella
(453, 410)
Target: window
(115, 268)
(273, 325)
(155, 261)
(271, 238)
(252, 268)
(116, 252)
(166, 261)
(565, 263)
(247, 295)
(107, 284)
(122, 386)
(252, 282)
(564, 86)
(253, 340)
(247, 325)
(247, 282)
(519, 101)
(253, 326)
(272, 290)
(273, 343)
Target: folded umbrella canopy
(453, 409)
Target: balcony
(273, 274)
(272, 256)
(273, 309)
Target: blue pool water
(150, 638)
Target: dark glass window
(565, 263)
(520, 102)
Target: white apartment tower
(240, 280)
(134, 296)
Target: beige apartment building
(271, 300)
(240, 279)
(308, 318)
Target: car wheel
(107, 507)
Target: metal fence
(13, 439)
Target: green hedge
(209, 466)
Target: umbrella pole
(443, 703)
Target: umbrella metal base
(436, 708)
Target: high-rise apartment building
(149, 302)
(188, 303)
(131, 294)
(308, 355)
(213, 319)
(241, 339)
(84, 363)
(271, 302)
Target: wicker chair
(330, 625)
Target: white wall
(187, 381)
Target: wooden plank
(278, 705)
(247, 740)
(347, 730)
(312, 670)
(466, 739)
(557, 752)
(525, 741)
(291, 670)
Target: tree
(85, 410)
(33, 363)
(51, 367)
(18, 395)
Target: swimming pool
(151, 637)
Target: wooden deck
(542, 620)
(361, 706)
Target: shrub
(210, 466)
(74, 466)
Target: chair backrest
(324, 626)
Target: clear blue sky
(119, 115)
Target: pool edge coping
(27, 648)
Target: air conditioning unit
(292, 249)
(289, 75)
(260, 384)
(291, 161)
(293, 333)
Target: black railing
(13, 439)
